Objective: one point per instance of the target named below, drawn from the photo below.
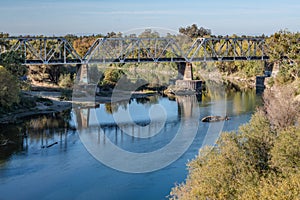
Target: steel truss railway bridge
(59, 51)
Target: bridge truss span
(131, 50)
(56, 50)
(227, 49)
(41, 50)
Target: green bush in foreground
(255, 163)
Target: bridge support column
(188, 72)
(185, 71)
(185, 78)
(83, 73)
(83, 90)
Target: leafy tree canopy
(284, 49)
(194, 32)
(9, 90)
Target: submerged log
(214, 118)
(6, 142)
(50, 145)
(3, 142)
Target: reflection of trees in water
(11, 134)
(242, 100)
(52, 121)
(213, 91)
(38, 130)
(142, 100)
(113, 107)
(148, 100)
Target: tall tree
(194, 32)
(13, 61)
(284, 49)
(9, 90)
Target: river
(53, 156)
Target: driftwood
(3, 142)
(6, 142)
(50, 145)
(214, 118)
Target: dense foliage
(12, 61)
(284, 50)
(111, 77)
(194, 32)
(66, 81)
(9, 90)
(260, 161)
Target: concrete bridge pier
(185, 71)
(188, 72)
(84, 90)
(185, 78)
(83, 72)
(270, 70)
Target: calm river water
(49, 159)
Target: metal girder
(56, 50)
(227, 49)
(41, 51)
(124, 50)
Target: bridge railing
(56, 50)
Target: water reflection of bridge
(87, 121)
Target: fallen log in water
(50, 145)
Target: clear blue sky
(59, 17)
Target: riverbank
(237, 79)
(243, 83)
(50, 102)
(47, 106)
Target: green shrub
(65, 81)
(111, 77)
(286, 151)
(255, 163)
(9, 90)
(271, 81)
